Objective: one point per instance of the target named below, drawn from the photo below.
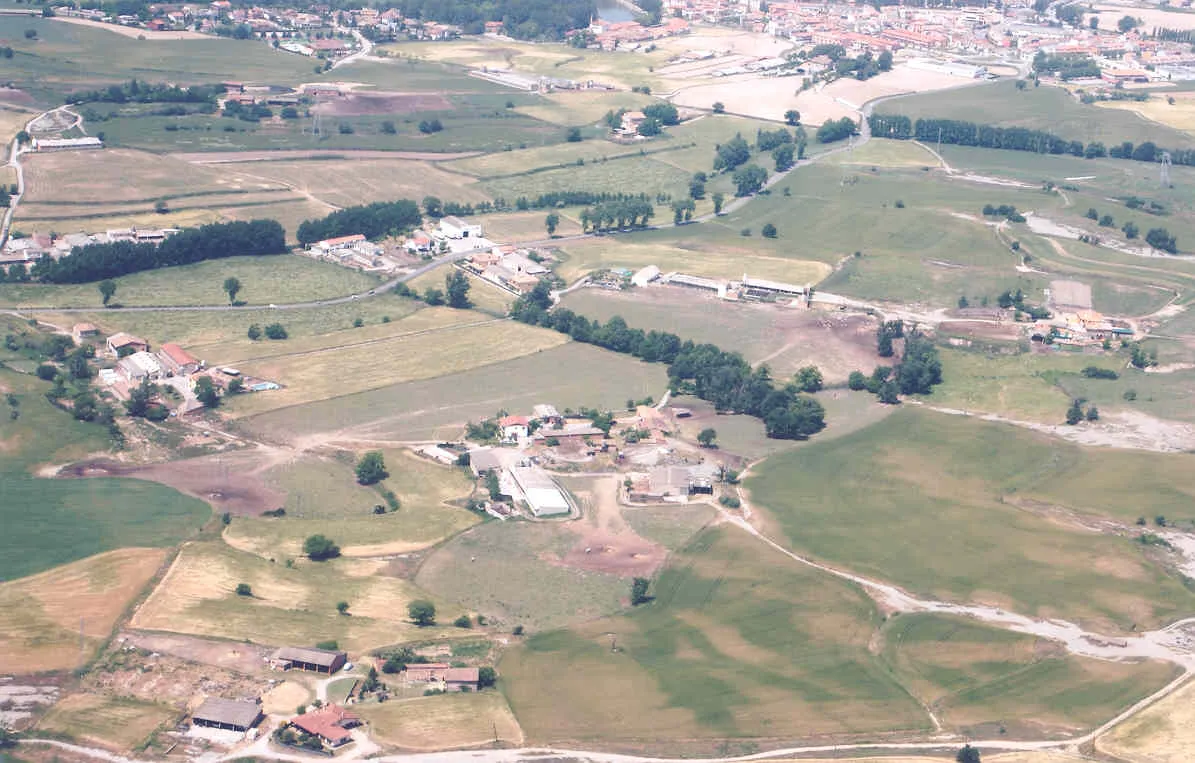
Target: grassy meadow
(736, 644)
(323, 497)
(1052, 109)
(438, 407)
(506, 571)
(983, 682)
(952, 487)
(280, 278)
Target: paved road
(366, 48)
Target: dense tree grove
(723, 378)
(524, 19)
(731, 154)
(207, 242)
(963, 133)
(1065, 67)
(766, 140)
(836, 129)
(663, 112)
(371, 220)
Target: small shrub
(243, 589)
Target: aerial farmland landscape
(615, 382)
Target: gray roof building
(231, 714)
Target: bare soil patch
(606, 543)
(363, 104)
(226, 482)
(230, 655)
(1071, 294)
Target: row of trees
(962, 133)
(617, 214)
(723, 378)
(1066, 66)
(837, 129)
(135, 91)
(94, 262)
(372, 220)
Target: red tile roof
(330, 722)
(178, 354)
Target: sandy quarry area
(140, 34)
(770, 97)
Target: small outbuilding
(228, 714)
(455, 227)
(306, 658)
(121, 343)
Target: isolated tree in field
(371, 469)
(717, 198)
(884, 61)
(1126, 24)
(107, 289)
(783, 156)
(243, 589)
(551, 222)
(422, 612)
(464, 621)
(206, 392)
(707, 436)
(573, 135)
(967, 754)
(232, 287)
(856, 381)
(1093, 414)
(889, 393)
(749, 179)
(433, 296)
(1130, 230)
(719, 107)
(769, 231)
(342, 607)
(254, 332)
(792, 117)
(319, 547)
(639, 591)
(1074, 414)
(456, 286)
(809, 379)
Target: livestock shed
(306, 658)
(228, 714)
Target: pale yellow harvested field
(522, 227)
(293, 605)
(285, 697)
(188, 218)
(127, 175)
(439, 351)
(445, 722)
(12, 121)
(1037, 756)
(143, 35)
(116, 722)
(769, 98)
(43, 612)
(593, 254)
(1110, 13)
(1164, 733)
(1180, 115)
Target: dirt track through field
(231, 157)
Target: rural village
(610, 382)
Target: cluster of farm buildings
(319, 727)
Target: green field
(486, 297)
(51, 522)
(323, 497)
(216, 331)
(638, 174)
(924, 253)
(984, 682)
(438, 408)
(739, 643)
(504, 570)
(931, 503)
(281, 279)
(66, 57)
(1040, 108)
